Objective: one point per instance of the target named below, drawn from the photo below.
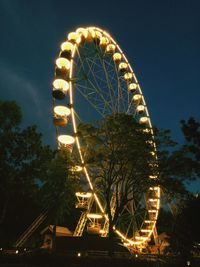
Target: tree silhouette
(118, 152)
(21, 158)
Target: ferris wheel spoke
(97, 75)
(80, 68)
(120, 99)
(84, 59)
(131, 228)
(107, 73)
(107, 104)
(96, 104)
(109, 84)
(128, 224)
(118, 89)
(94, 77)
(95, 87)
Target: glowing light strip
(74, 120)
(152, 199)
(145, 230)
(153, 188)
(149, 221)
(131, 242)
(94, 216)
(141, 238)
(152, 211)
(83, 194)
(99, 204)
(88, 178)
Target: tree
(119, 154)
(191, 131)
(33, 177)
(59, 185)
(185, 232)
(177, 166)
(21, 159)
(58, 191)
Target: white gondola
(83, 199)
(60, 87)
(117, 57)
(66, 142)
(94, 226)
(110, 48)
(61, 114)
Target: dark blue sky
(161, 40)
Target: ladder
(82, 220)
(81, 224)
(31, 229)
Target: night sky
(161, 40)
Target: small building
(47, 235)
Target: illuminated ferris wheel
(94, 79)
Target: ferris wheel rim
(71, 98)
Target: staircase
(31, 229)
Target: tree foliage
(22, 155)
(177, 165)
(59, 185)
(185, 231)
(191, 131)
(118, 152)
(119, 155)
(31, 176)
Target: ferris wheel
(94, 79)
